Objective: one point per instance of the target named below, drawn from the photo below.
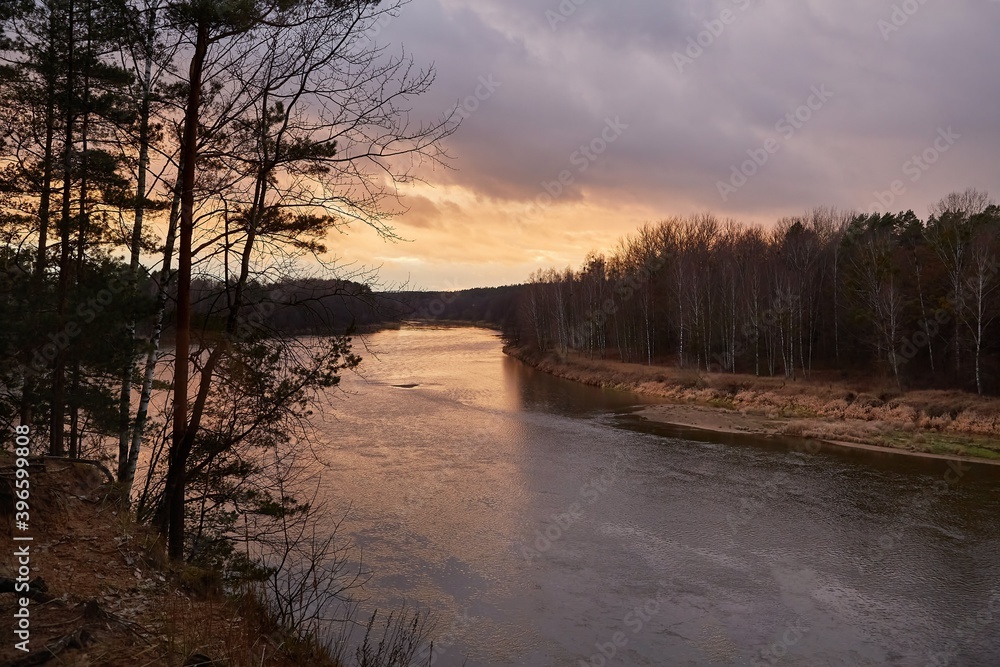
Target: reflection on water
(543, 524)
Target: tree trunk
(58, 407)
(44, 207)
(923, 310)
(125, 399)
(171, 521)
(127, 477)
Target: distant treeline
(492, 306)
(325, 306)
(297, 306)
(915, 300)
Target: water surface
(545, 525)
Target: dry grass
(857, 410)
(238, 632)
(109, 581)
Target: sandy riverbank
(941, 424)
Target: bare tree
(982, 284)
(306, 131)
(949, 232)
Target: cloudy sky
(587, 118)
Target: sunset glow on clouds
(702, 87)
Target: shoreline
(769, 407)
(668, 414)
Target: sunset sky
(833, 101)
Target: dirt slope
(102, 596)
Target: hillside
(101, 596)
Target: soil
(853, 412)
(105, 597)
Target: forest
(175, 177)
(914, 301)
(172, 178)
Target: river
(543, 524)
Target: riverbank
(947, 424)
(102, 594)
(450, 324)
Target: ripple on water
(448, 478)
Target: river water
(543, 524)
